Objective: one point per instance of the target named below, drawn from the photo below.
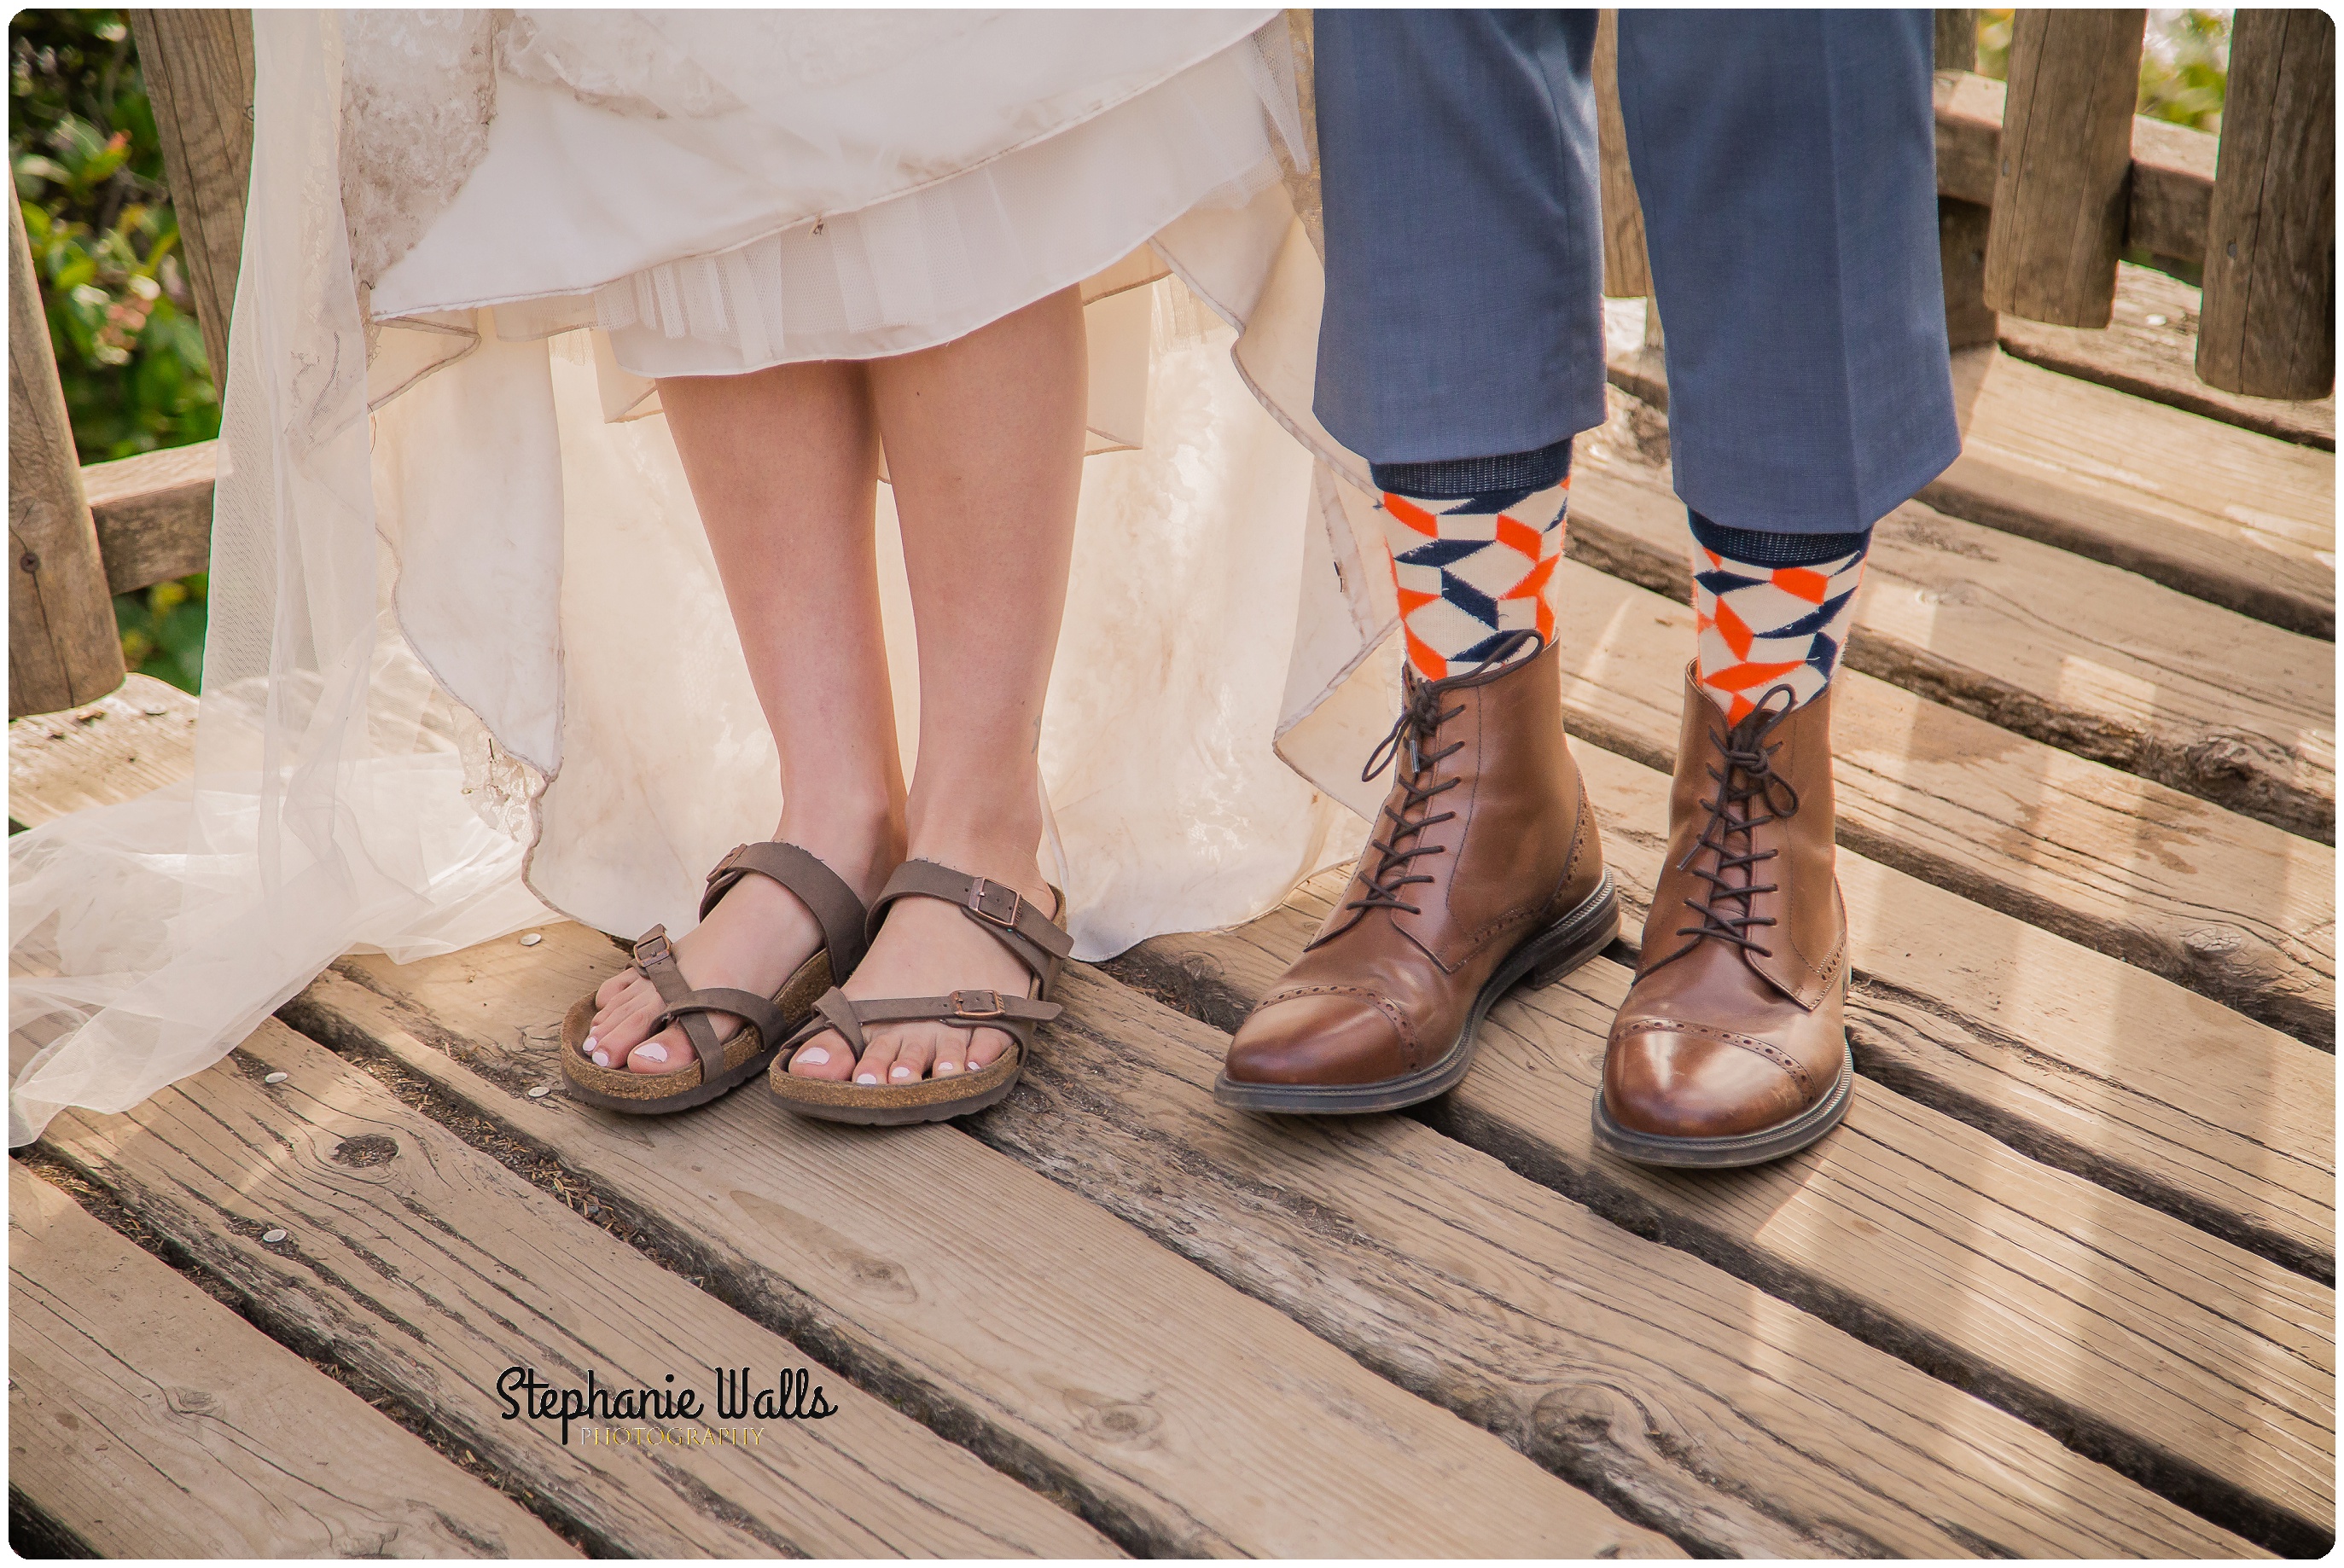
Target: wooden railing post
(63, 649)
(2269, 325)
(1627, 274)
(200, 74)
(1961, 225)
(2060, 191)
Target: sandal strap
(1038, 941)
(975, 1008)
(759, 1011)
(834, 1009)
(656, 959)
(835, 907)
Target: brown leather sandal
(1041, 944)
(769, 1019)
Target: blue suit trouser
(1785, 162)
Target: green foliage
(2184, 67)
(2184, 62)
(163, 630)
(88, 171)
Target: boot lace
(1746, 787)
(1421, 715)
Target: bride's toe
(666, 1052)
(878, 1057)
(985, 1048)
(620, 1030)
(915, 1048)
(952, 1054)
(824, 1056)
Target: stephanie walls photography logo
(670, 1413)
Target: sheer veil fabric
(470, 669)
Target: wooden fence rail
(2041, 185)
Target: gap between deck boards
(429, 1017)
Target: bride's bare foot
(929, 948)
(755, 939)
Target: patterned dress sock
(1771, 609)
(1473, 548)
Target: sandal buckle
(726, 864)
(993, 1009)
(978, 887)
(653, 948)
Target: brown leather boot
(1483, 867)
(1730, 1047)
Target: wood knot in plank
(365, 1152)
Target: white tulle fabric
(469, 657)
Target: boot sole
(1544, 959)
(1742, 1149)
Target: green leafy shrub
(88, 171)
(2184, 62)
(2184, 67)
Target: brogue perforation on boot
(1483, 869)
(1731, 1047)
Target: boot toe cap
(1667, 1083)
(1322, 1038)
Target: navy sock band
(1465, 476)
(1756, 548)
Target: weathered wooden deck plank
(2151, 350)
(426, 1268)
(1181, 1415)
(2067, 650)
(2235, 908)
(2226, 515)
(1760, 1430)
(2069, 1056)
(1750, 1456)
(137, 739)
(152, 1421)
(2189, 1363)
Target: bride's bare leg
(984, 446)
(784, 465)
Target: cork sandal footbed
(898, 1105)
(658, 1093)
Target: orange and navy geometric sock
(1474, 545)
(1771, 609)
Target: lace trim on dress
(940, 261)
(580, 51)
(419, 90)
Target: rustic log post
(1956, 43)
(199, 75)
(1626, 273)
(1961, 225)
(2269, 325)
(63, 649)
(2061, 189)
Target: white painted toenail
(946, 1069)
(866, 1077)
(813, 1056)
(590, 1045)
(601, 1058)
(900, 1071)
(656, 1052)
